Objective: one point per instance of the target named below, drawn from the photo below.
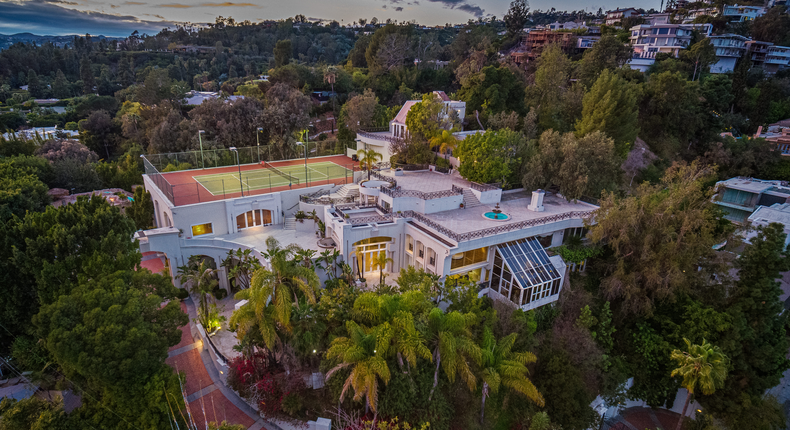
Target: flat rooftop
(513, 204)
(256, 237)
(428, 182)
(753, 185)
(188, 187)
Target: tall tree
(34, 86)
(283, 52)
(445, 141)
(658, 237)
(611, 106)
(454, 350)
(60, 86)
(358, 112)
(580, 167)
(368, 158)
(503, 366)
(517, 16)
(607, 54)
(494, 156)
(86, 74)
(202, 282)
(365, 351)
(702, 366)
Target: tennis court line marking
(204, 187)
(242, 181)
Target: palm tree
(703, 366)
(380, 262)
(445, 141)
(274, 288)
(364, 350)
(367, 158)
(200, 277)
(328, 262)
(502, 366)
(453, 347)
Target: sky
(122, 17)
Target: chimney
(536, 204)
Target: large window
(202, 229)
(254, 218)
(469, 258)
(409, 244)
(523, 273)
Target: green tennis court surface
(251, 180)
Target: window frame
(192, 229)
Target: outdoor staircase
(348, 190)
(470, 200)
(290, 224)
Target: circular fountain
(496, 214)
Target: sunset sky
(120, 18)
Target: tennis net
(293, 179)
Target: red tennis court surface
(185, 190)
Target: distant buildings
(650, 40)
(743, 13)
(196, 98)
(615, 16)
(729, 48)
(740, 197)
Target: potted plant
(346, 216)
(462, 205)
(300, 216)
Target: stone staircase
(470, 200)
(290, 224)
(348, 190)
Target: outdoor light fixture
(241, 186)
(258, 139)
(200, 139)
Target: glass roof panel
(528, 261)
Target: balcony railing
(462, 237)
(379, 136)
(380, 177)
(395, 193)
(483, 187)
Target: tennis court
(272, 176)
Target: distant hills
(7, 40)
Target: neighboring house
(657, 18)
(322, 97)
(430, 221)
(650, 40)
(743, 13)
(693, 14)
(778, 134)
(42, 132)
(117, 197)
(614, 17)
(777, 58)
(586, 42)
(570, 25)
(533, 43)
(758, 51)
(765, 215)
(196, 98)
(380, 141)
(729, 48)
(740, 197)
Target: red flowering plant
(254, 379)
(244, 372)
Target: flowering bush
(254, 380)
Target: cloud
(133, 3)
(473, 9)
(223, 4)
(47, 18)
(398, 9)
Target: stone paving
(203, 387)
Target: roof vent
(536, 204)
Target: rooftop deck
(470, 220)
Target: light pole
(241, 187)
(200, 139)
(258, 139)
(304, 144)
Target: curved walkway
(208, 397)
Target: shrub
(71, 126)
(182, 293)
(220, 293)
(292, 404)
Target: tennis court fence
(259, 181)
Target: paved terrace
(471, 219)
(256, 237)
(428, 182)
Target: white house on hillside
(729, 48)
(380, 141)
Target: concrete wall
(423, 206)
(491, 197)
